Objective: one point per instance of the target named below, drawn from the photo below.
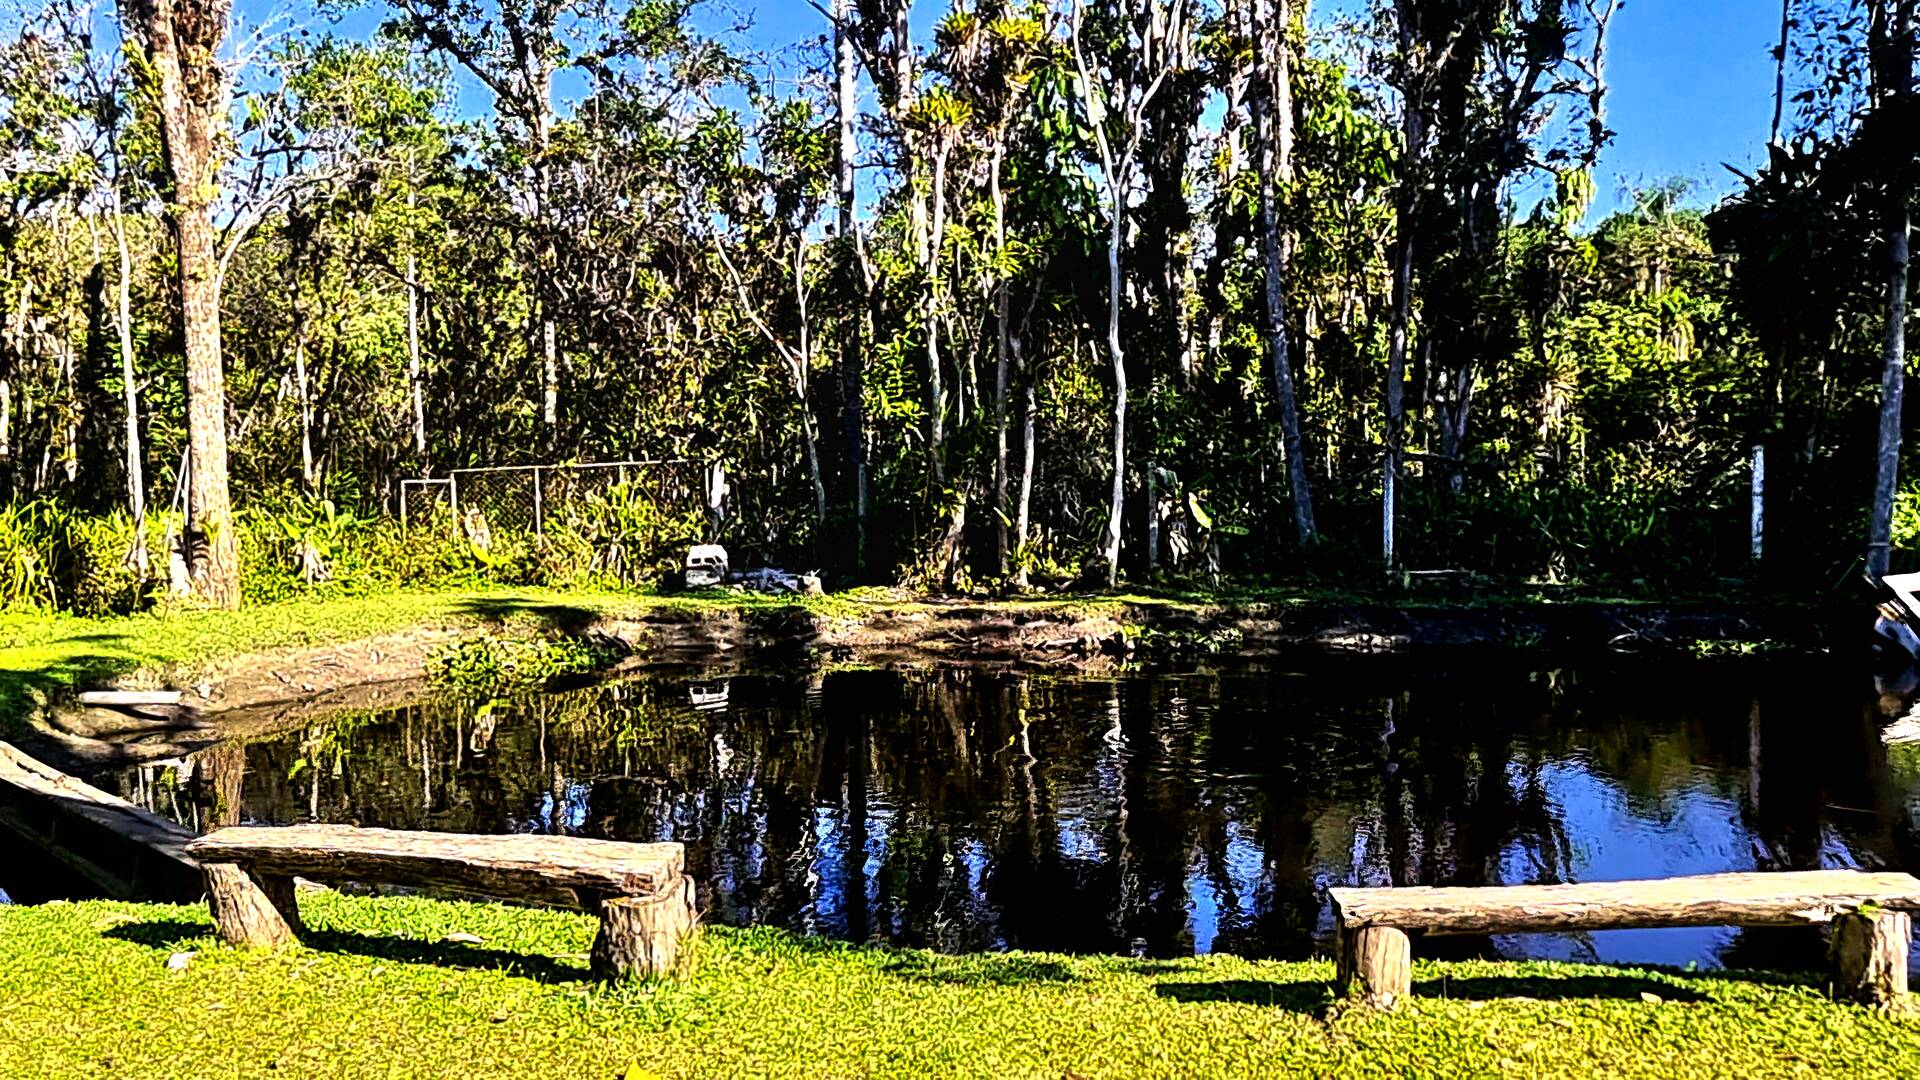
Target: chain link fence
(623, 509)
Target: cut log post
(1870, 956)
(642, 937)
(252, 910)
(1380, 958)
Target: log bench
(1870, 914)
(641, 893)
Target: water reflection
(1158, 814)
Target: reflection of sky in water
(1157, 814)
(1694, 832)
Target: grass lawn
(86, 991)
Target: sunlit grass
(378, 992)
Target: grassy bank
(86, 991)
(49, 654)
(52, 653)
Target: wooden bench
(1870, 913)
(641, 893)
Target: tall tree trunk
(545, 259)
(182, 38)
(1029, 418)
(12, 363)
(304, 390)
(1892, 388)
(1780, 70)
(803, 367)
(852, 377)
(1116, 207)
(130, 387)
(1893, 70)
(1277, 135)
(416, 374)
(1413, 135)
(954, 501)
(1002, 346)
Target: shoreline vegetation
(227, 659)
(417, 987)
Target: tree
(182, 70)
(1891, 44)
(515, 48)
(1147, 40)
(1273, 26)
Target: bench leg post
(1870, 956)
(642, 937)
(250, 909)
(1380, 958)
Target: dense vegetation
(385, 992)
(1066, 290)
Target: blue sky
(1692, 80)
(1692, 84)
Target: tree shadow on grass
(448, 954)
(1571, 988)
(564, 618)
(160, 933)
(169, 933)
(982, 970)
(1311, 997)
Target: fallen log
(127, 699)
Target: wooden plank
(121, 699)
(1760, 899)
(563, 871)
(127, 852)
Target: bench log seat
(1870, 913)
(640, 892)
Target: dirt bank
(249, 694)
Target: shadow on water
(1150, 814)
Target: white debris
(1902, 732)
(179, 961)
(706, 566)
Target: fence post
(453, 495)
(539, 511)
(403, 506)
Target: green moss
(86, 991)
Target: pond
(1153, 813)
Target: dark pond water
(1158, 814)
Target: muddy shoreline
(250, 695)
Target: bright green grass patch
(85, 991)
(45, 653)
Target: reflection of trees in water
(969, 809)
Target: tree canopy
(1064, 292)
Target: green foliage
(1582, 396)
(491, 666)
